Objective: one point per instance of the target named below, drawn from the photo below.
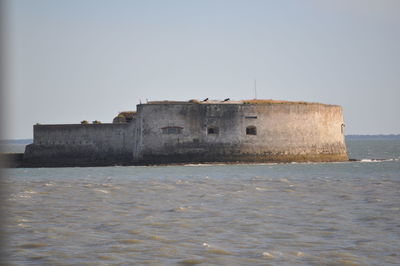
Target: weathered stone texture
(178, 132)
(80, 145)
(285, 132)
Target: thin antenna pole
(255, 89)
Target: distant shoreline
(15, 141)
(377, 137)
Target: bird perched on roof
(227, 99)
(206, 99)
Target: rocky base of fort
(17, 160)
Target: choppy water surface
(277, 214)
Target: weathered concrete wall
(81, 145)
(285, 132)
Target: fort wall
(81, 145)
(186, 132)
(283, 132)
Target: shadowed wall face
(81, 145)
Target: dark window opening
(212, 131)
(251, 117)
(172, 130)
(251, 130)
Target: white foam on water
(300, 254)
(377, 160)
(198, 164)
(30, 192)
(25, 196)
(102, 191)
(23, 225)
(284, 180)
(272, 254)
(268, 255)
(23, 221)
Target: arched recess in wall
(251, 130)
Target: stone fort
(163, 132)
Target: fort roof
(251, 101)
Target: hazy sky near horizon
(89, 59)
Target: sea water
(249, 214)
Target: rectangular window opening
(251, 130)
(212, 131)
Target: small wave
(30, 192)
(272, 254)
(377, 160)
(104, 257)
(180, 209)
(191, 262)
(162, 239)
(27, 194)
(268, 255)
(107, 185)
(23, 221)
(366, 160)
(219, 251)
(23, 225)
(33, 245)
(198, 164)
(129, 241)
(284, 180)
(289, 190)
(216, 250)
(182, 182)
(300, 254)
(102, 191)
(134, 232)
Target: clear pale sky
(80, 59)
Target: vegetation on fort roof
(194, 101)
(96, 122)
(127, 113)
(166, 102)
(124, 117)
(270, 101)
(84, 122)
